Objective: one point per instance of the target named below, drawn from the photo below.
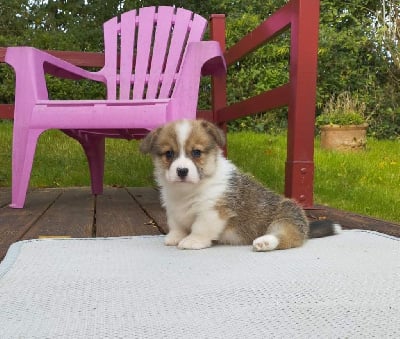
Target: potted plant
(342, 123)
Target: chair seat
(98, 114)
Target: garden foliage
(356, 53)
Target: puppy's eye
(196, 153)
(169, 154)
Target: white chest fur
(187, 203)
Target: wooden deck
(74, 212)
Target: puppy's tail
(323, 228)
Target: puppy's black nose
(182, 172)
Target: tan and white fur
(207, 199)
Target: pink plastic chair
(153, 62)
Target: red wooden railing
(299, 94)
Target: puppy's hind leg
(281, 234)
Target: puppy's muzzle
(182, 172)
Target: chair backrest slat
(175, 51)
(144, 51)
(109, 70)
(128, 35)
(165, 17)
(198, 27)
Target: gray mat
(345, 286)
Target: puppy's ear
(147, 144)
(217, 134)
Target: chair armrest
(201, 58)
(206, 56)
(34, 60)
(215, 61)
(31, 65)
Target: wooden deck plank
(14, 223)
(149, 200)
(350, 220)
(118, 214)
(72, 214)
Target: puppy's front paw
(173, 238)
(192, 242)
(265, 243)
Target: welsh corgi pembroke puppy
(207, 199)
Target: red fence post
(218, 84)
(303, 75)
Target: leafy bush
(7, 80)
(271, 122)
(386, 124)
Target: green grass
(363, 182)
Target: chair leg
(24, 146)
(94, 147)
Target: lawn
(365, 182)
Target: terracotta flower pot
(344, 138)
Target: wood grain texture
(72, 214)
(118, 214)
(15, 223)
(350, 220)
(75, 212)
(149, 200)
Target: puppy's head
(184, 151)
